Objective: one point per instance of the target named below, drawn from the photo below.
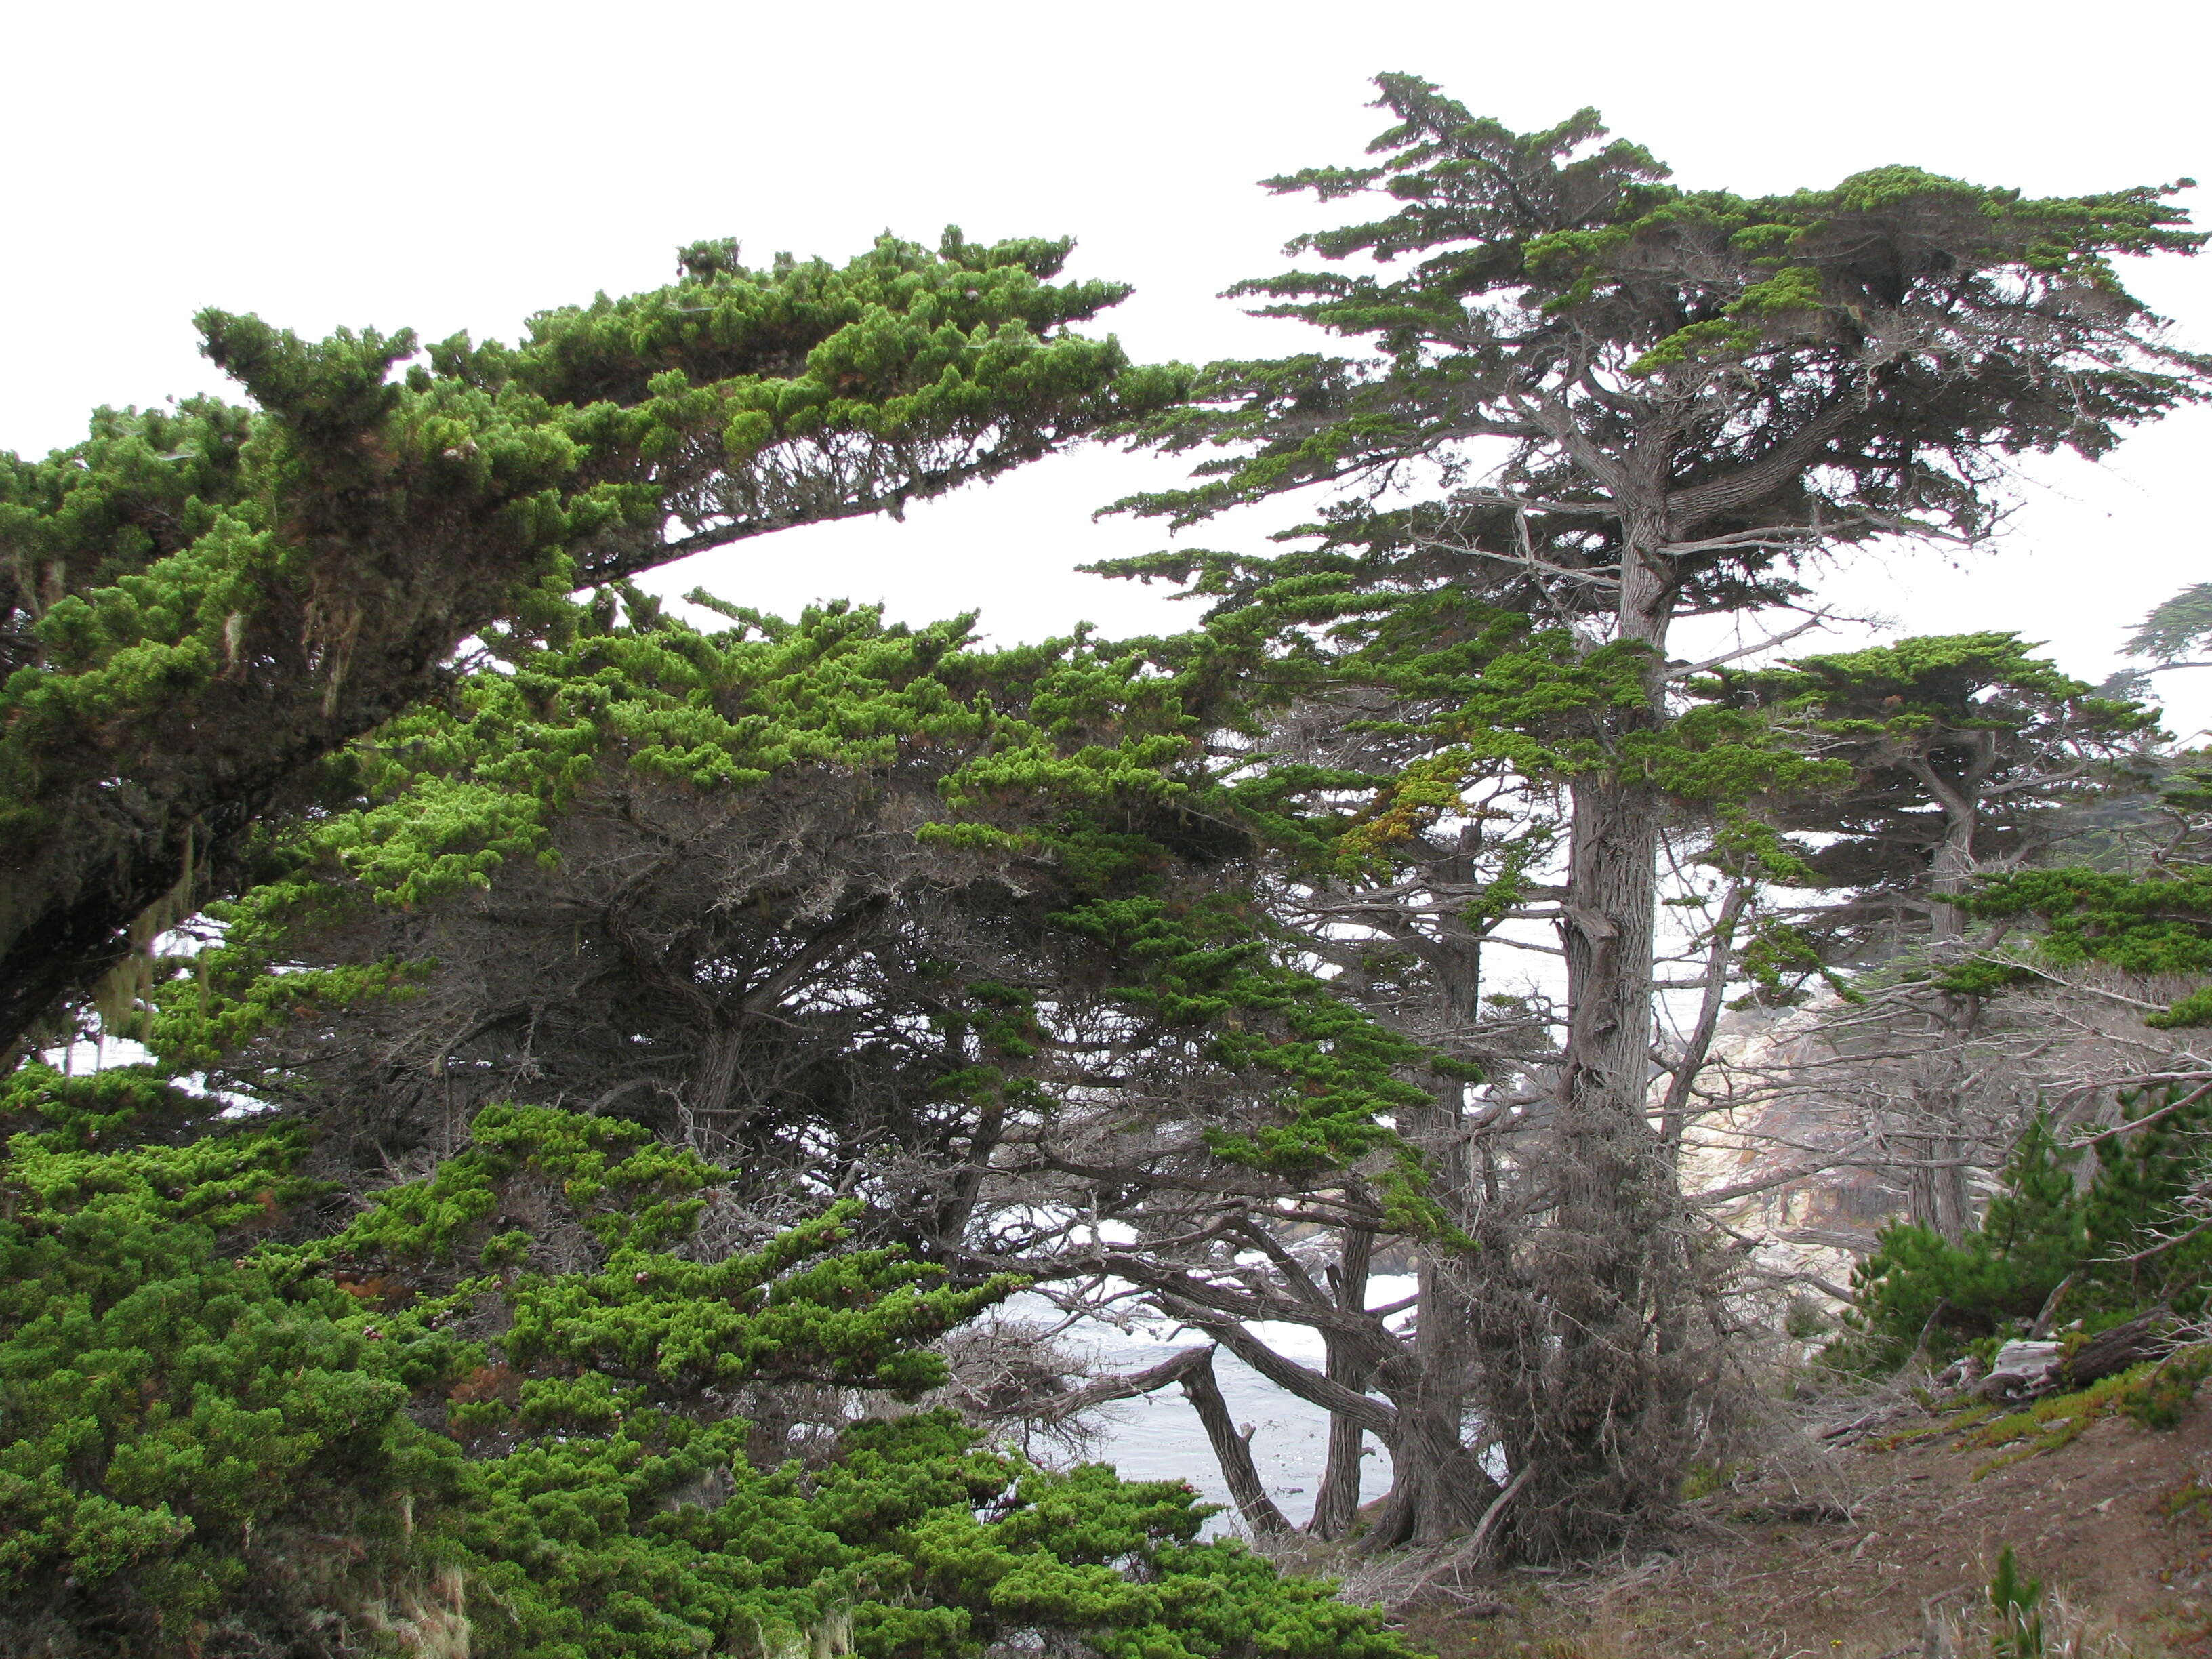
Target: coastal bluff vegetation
(547, 1121)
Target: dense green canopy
(198, 604)
(1965, 753)
(435, 1425)
(606, 1057)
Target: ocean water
(1156, 1436)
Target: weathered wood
(2041, 1328)
(1859, 1426)
(1059, 1408)
(1472, 1551)
(2021, 1369)
(1231, 1449)
(1336, 1500)
(2110, 1352)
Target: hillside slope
(1885, 1549)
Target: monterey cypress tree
(710, 881)
(1407, 732)
(1630, 402)
(198, 604)
(1965, 754)
(2175, 630)
(860, 910)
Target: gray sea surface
(1156, 1436)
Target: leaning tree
(1644, 403)
(857, 906)
(199, 604)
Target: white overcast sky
(461, 165)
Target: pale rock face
(1804, 1218)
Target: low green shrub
(2044, 1232)
(404, 1436)
(2016, 1612)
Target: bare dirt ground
(1885, 1550)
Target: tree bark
(1431, 1457)
(1674, 1115)
(2110, 1352)
(1336, 1501)
(1231, 1449)
(1602, 1433)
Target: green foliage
(171, 1420)
(215, 1445)
(1956, 683)
(2157, 1395)
(2176, 627)
(1335, 1077)
(1956, 749)
(440, 801)
(1531, 266)
(914, 1542)
(653, 1322)
(514, 1373)
(2042, 1229)
(196, 605)
(1486, 637)
(1703, 1480)
(1804, 1319)
(1078, 758)
(563, 1405)
(2030, 1238)
(2016, 1611)
(1511, 253)
(2160, 923)
(1473, 695)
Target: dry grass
(428, 1621)
(1879, 1551)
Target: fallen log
(2019, 1370)
(2149, 1336)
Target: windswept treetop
(1569, 404)
(199, 603)
(1748, 371)
(2175, 628)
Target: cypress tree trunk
(1441, 1487)
(1941, 1196)
(1232, 1448)
(1336, 1501)
(1601, 1440)
(1451, 1491)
